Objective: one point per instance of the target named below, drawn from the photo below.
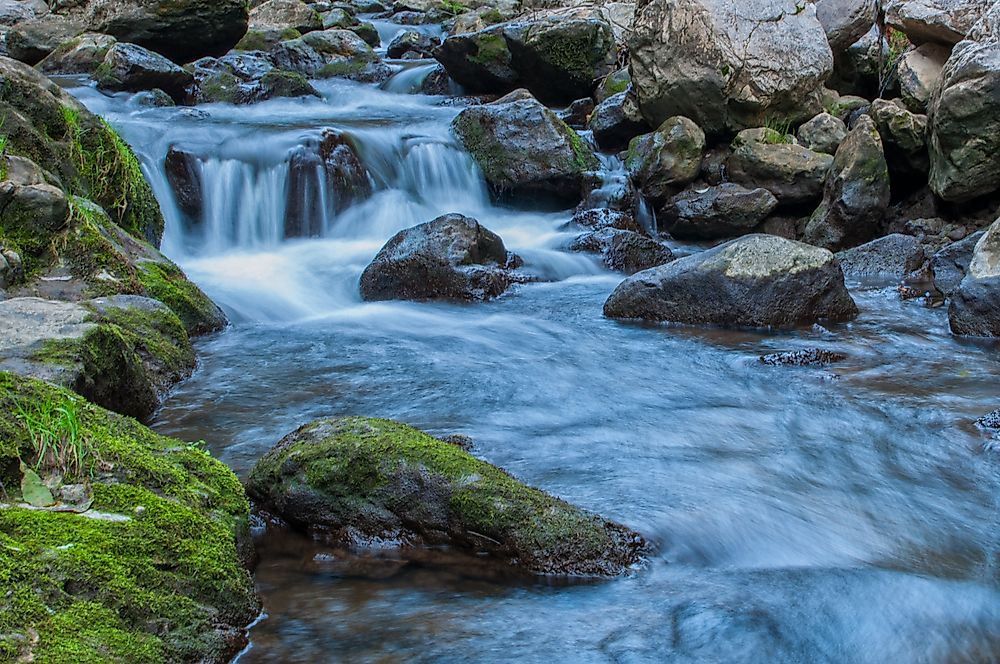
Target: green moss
(491, 49)
(281, 83)
(167, 283)
(341, 68)
(583, 157)
(220, 87)
(289, 34)
(571, 51)
(160, 583)
(491, 156)
(90, 248)
(253, 40)
(453, 7)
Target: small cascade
(410, 79)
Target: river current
(840, 514)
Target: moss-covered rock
(146, 565)
(358, 481)
(663, 162)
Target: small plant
(57, 437)
(453, 7)
(777, 131)
(898, 44)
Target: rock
(245, 78)
(450, 258)
(623, 250)
(666, 160)
(809, 357)
(616, 121)
(183, 170)
(577, 114)
(557, 59)
(182, 31)
(714, 61)
(950, 265)
(412, 41)
(133, 68)
(845, 21)
(895, 256)
(975, 304)
(614, 83)
(330, 53)
(904, 137)
(368, 33)
(716, 212)
(32, 40)
(30, 205)
(339, 17)
(80, 55)
(599, 218)
(754, 281)
(965, 117)
(943, 21)
(793, 173)
(856, 194)
(422, 491)
(121, 353)
(857, 71)
(990, 420)
(824, 133)
(13, 12)
(276, 16)
(150, 499)
(919, 74)
(524, 150)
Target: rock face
(716, 212)
(557, 59)
(755, 281)
(524, 149)
(417, 490)
(793, 173)
(894, 256)
(121, 352)
(856, 194)
(131, 499)
(666, 160)
(965, 117)
(943, 21)
(623, 250)
(845, 21)
(728, 64)
(975, 305)
(181, 30)
(450, 258)
(134, 68)
(950, 265)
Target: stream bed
(840, 514)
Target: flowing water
(848, 514)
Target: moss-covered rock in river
(120, 352)
(359, 480)
(143, 566)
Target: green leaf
(33, 490)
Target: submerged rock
(142, 558)
(362, 481)
(450, 258)
(525, 150)
(809, 357)
(755, 281)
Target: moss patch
(164, 281)
(163, 582)
(491, 49)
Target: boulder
(617, 120)
(856, 194)
(80, 55)
(623, 250)
(182, 31)
(557, 59)
(944, 21)
(754, 281)
(578, 113)
(32, 40)
(975, 304)
(894, 256)
(793, 173)
(330, 53)
(13, 12)
(419, 491)
(845, 21)
(525, 150)
(183, 170)
(121, 352)
(666, 160)
(450, 258)
(614, 83)
(245, 78)
(950, 265)
(600, 218)
(117, 502)
(728, 64)
(904, 137)
(412, 41)
(133, 68)
(965, 117)
(716, 212)
(858, 70)
(277, 16)
(824, 133)
(919, 74)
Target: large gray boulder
(277, 16)
(557, 59)
(666, 160)
(524, 149)
(824, 133)
(845, 21)
(728, 64)
(754, 281)
(856, 194)
(793, 173)
(449, 258)
(975, 305)
(943, 21)
(374, 483)
(894, 257)
(134, 68)
(919, 74)
(904, 137)
(965, 116)
(328, 54)
(32, 40)
(617, 120)
(716, 212)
